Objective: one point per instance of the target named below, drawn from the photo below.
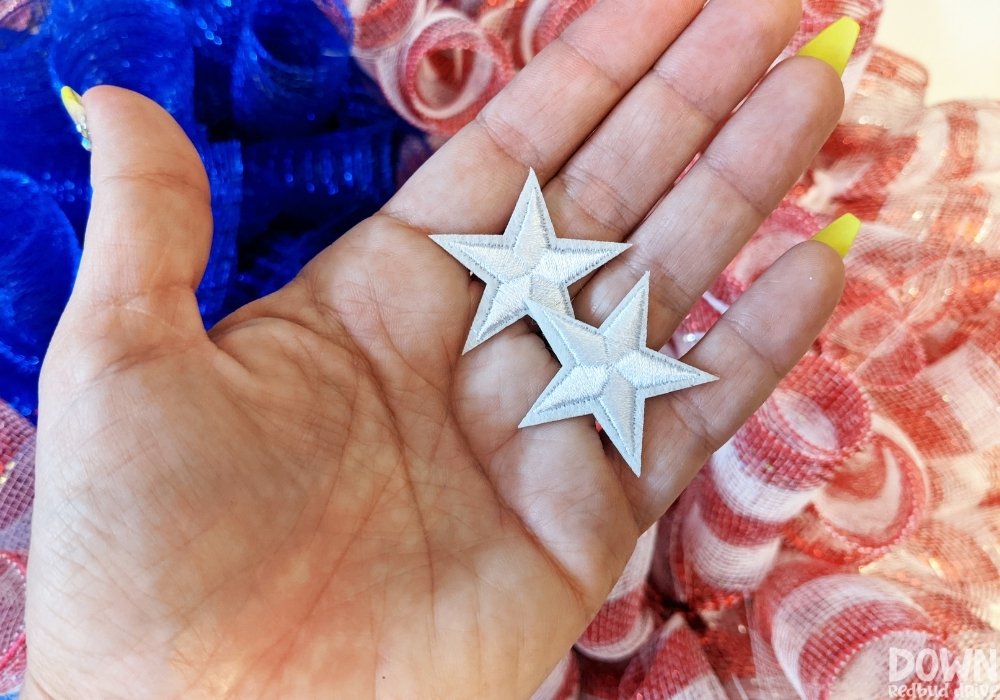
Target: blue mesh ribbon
(267, 268)
(298, 143)
(290, 65)
(214, 27)
(142, 45)
(302, 183)
(39, 255)
(37, 136)
(224, 165)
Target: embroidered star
(526, 263)
(608, 372)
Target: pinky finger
(755, 344)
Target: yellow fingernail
(840, 234)
(74, 106)
(835, 44)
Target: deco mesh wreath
(858, 510)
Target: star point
(526, 263)
(608, 372)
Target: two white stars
(607, 372)
(526, 263)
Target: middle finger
(640, 149)
(700, 226)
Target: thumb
(150, 227)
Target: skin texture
(321, 497)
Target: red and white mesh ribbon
(954, 142)
(504, 19)
(833, 633)
(671, 666)
(974, 643)
(13, 652)
(17, 479)
(956, 483)
(814, 421)
(726, 551)
(544, 20)
(380, 24)
(625, 621)
(955, 555)
(700, 319)
(563, 683)
(872, 331)
(528, 26)
(877, 499)
(598, 680)
(913, 169)
(443, 71)
(922, 171)
(952, 407)
(769, 472)
(973, 551)
(958, 213)
(673, 575)
(730, 651)
(873, 142)
(898, 292)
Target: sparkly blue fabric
(141, 45)
(214, 30)
(39, 255)
(224, 165)
(303, 183)
(297, 142)
(37, 136)
(290, 65)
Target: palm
(323, 497)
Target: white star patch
(527, 263)
(608, 372)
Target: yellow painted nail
(74, 106)
(835, 44)
(840, 234)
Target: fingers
(699, 227)
(613, 181)
(150, 227)
(760, 338)
(542, 117)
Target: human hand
(322, 497)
